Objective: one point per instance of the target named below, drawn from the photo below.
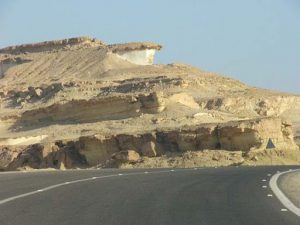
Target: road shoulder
(286, 187)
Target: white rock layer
(140, 57)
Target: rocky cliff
(77, 103)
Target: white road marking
(3, 201)
(146, 172)
(269, 174)
(264, 186)
(263, 180)
(283, 210)
(281, 196)
(270, 195)
(47, 189)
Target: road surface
(215, 196)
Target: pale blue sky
(255, 41)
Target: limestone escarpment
(51, 45)
(234, 136)
(240, 136)
(105, 109)
(133, 46)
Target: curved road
(222, 196)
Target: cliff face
(233, 136)
(76, 102)
(99, 150)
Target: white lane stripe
(78, 181)
(281, 196)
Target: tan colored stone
(38, 92)
(130, 156)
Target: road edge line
(280, 195)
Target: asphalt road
(216, 196)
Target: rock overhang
(141, 53)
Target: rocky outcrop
(99, 109)
(75, 111)
(51, 45)
(268, 106)
(133, 46)
(98, 149)
(141, 53)
(107, 103)
(152, 103)
(57, 155)
(129, 156)
(234, 136)
(112, 150)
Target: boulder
(38, 92)
(128, 156)
(7, 155)
(31, 157)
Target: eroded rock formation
(78, 102)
